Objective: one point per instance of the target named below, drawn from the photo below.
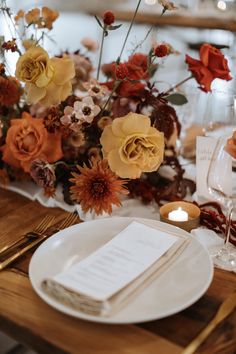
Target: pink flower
(90, 44)
(83, 112)
(94, 89)
(83, 69)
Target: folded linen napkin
(108, 279)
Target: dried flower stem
(180, 83)
(139, 45)
(116, 85)
(100, 55)
(63, 163)
(8, 16)
(127, 35)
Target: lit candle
(178, 215)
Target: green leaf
(177, 98)
(112, 28)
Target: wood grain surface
(25, 317)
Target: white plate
(183, 283)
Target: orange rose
(28, 139)
(231, 145)
(212, 65)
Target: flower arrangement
(99, 138)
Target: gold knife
(20, 253)
(225, 309)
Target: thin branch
(130, 27)
(100, 55)
(180, 83)
(116, 85)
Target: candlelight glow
(221, 5)
(178, 215)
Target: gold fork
(40, 228)
(70, 219)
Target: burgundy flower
(161, 50)
(42, 173)
(108, 18)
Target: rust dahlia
(97, 188)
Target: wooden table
(25, 317)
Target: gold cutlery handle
(17, 255)
(225, 309)
(10, 246)
(18, 243)
(192, 347)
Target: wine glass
(190, 116)
(220, 186)
(220, 112)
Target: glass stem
(228, 227)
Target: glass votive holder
(183, 214)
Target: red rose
(137, 66)
(135, 69)
(212, 65)
(129, 89)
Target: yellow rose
(132, 146)
(48, 81)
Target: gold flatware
(47, 221)
(68, 221)
(225, 309)
(48, 231)
(40, 228)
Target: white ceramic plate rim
(49, 244)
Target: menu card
(113, 267)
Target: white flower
(86, 110)
(94, 89)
